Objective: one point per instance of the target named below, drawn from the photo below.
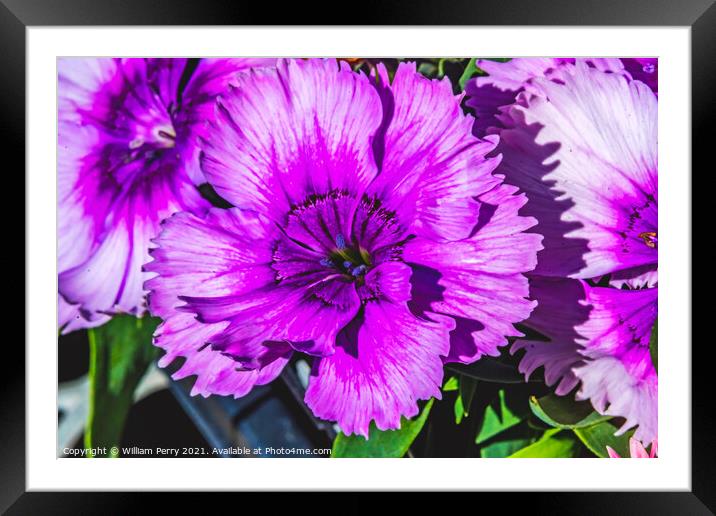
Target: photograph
(414, 248)
(357, 257)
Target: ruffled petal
(615, 392)
(516, 73)
(111, 274)
(506, 80)
(584, 151)
(211, 78)
(559, 311)
(618, 376)
(225, 252)
(385, 361)
(486, 95)
(65, 311)
(232, 254)
(267, 321)
(285, 134)
(183, 336)
(478, 281)
(485, 100)
(636, 277)
(216, 255)
(428, 157)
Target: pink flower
(636, 450)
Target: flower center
(353, 262)
(159, 137)
(333, 236)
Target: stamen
(165, 136)
(365, 255)
(359, 271)
(649, 238)
(340, 242)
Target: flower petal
(284, 134)
(266, 321)
(516, 73)
(211, 78)
(216, 255)
(110, 279)
(584, 151)
(428, 157)
(183, 336)
(636, 277)
(478, 281)
(486, 100)
(618, 376)
(385, 361)
(70, 318)
(486, 95)
(637, 450)
(78, 82)
(559, 311)
(226, 252)
(222, 266)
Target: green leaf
(565, 412)
(427, 69)
(654, 344)
(441, 68)
(470, 70)
(598, 437)
(488, 369)
(452, 384)
(503, 449)
(497, 420)
(120, 353)
(498, 59)
(555, 443)
(388, 443)
(464, 399)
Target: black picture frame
(17, 15)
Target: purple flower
(506, 81)
(618, 375)
(369, 233)
(127, 158)
(584, 150)
(597, 337)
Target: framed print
(433, 235)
